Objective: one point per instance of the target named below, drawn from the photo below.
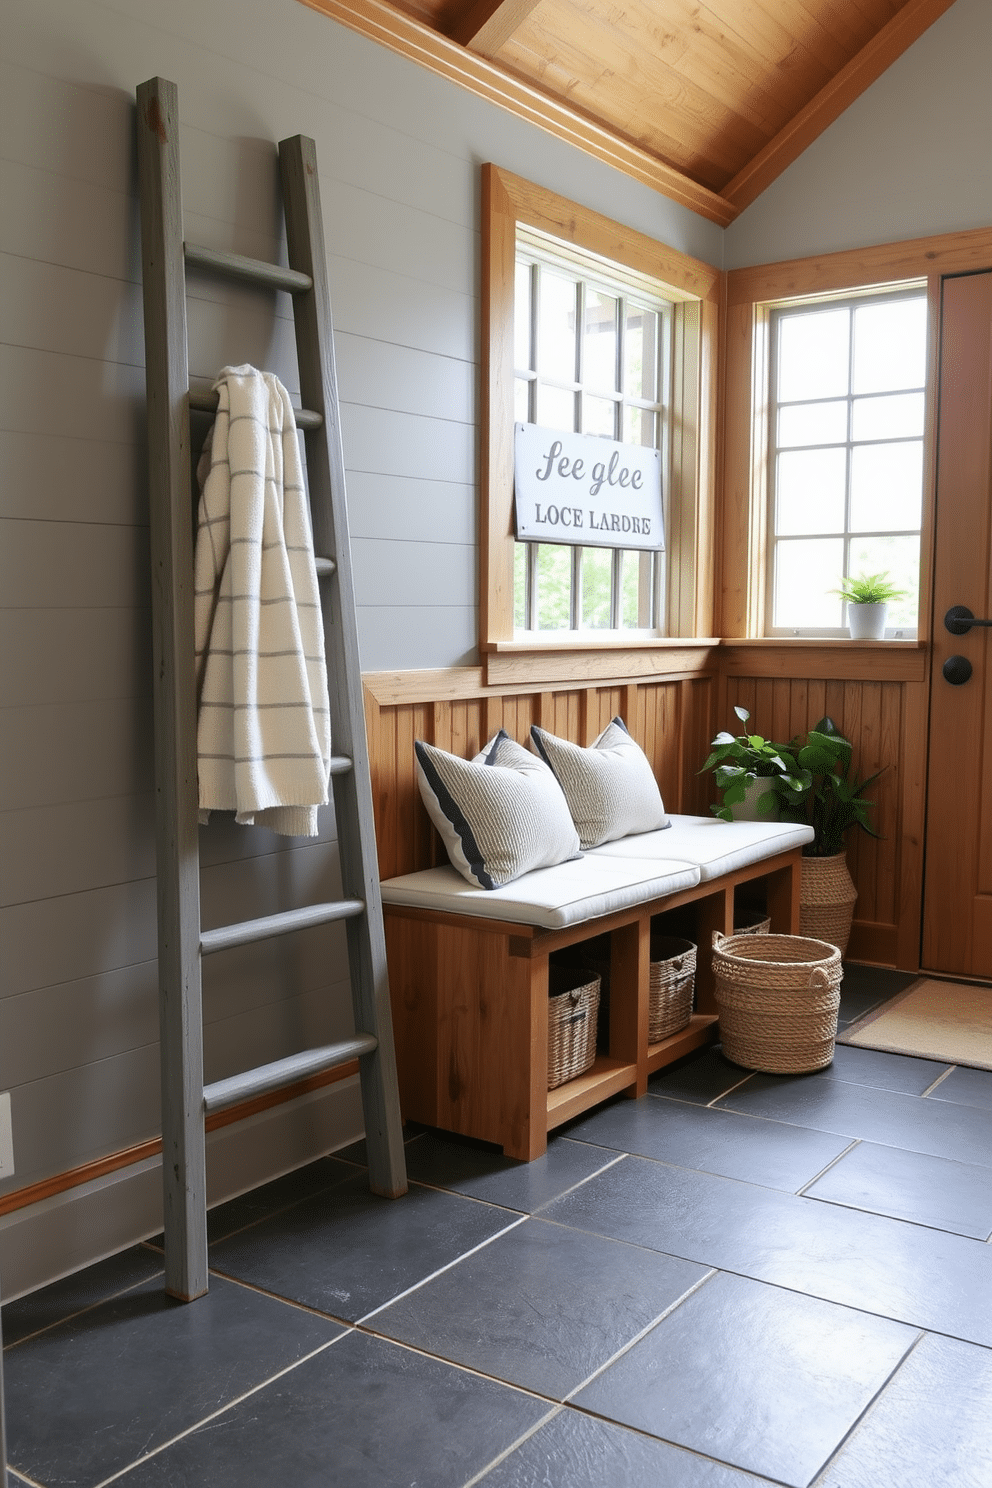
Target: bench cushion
(717, 847)
(550, 897)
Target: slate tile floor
(739, 1280)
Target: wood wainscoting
(876, 693)
(671, 717)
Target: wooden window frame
(696, 290)
(752, 293)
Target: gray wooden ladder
(181, 941)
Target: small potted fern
(868, 597)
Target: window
(592, 354)
(593, 328)
(845, 456)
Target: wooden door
(957, 906)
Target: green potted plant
(823, 793)
(748, 769)
(868, 597)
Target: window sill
(840, 643)
(611, 660)
(592, 640)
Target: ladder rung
(282, 1072)
(340, 764)
(255, 270)
(325, 567)
(205, 399)
(226, 937)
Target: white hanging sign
(578, 488)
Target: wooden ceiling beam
(416, 41)
(905, 27)
(487, 24)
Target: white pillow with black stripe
(610, 787)
(500, 814)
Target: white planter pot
(866, 622)
(750, 808)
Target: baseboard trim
(72, 1224)
(33, 1193)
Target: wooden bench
(469, 980)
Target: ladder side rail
(171, 521)
(3, 1424)
(353, 792)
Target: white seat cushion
(554, 897)
(717, 847)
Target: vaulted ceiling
(707, 100)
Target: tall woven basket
(826, 900)
(572, 1011)
(671, 985)
(777, 996)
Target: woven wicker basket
(777, 996)
(750, 924)
(572, 1014)
(672, 982)
(826, 900)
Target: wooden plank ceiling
(720, 95)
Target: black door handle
(956, 669)
(959, 620)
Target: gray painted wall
(911, 157)
(399, 152)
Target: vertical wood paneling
(674, 722)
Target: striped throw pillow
(610, 787)
(500, 814)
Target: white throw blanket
(263, 734)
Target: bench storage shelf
(470, 997)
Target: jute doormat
(949, 1021)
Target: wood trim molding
(857, 268)
(825, 661)
(419, 43)
(458, 684)
(46, 1188)
(907, 26)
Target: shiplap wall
(399, 152)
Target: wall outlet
(6, 1138)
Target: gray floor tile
(574, 1450)
(939, 1128)
(794, 1375)
(882, 1070)
(89, 1397)
(259, 1203)
(347, 1251)
(772, 1153)
(922, 1277)
(364, 1413)
(910, 1185)
(73, 1294)
(929, 1429)
(540, 1307)
(699, 1079)
(867, 987)
(966, 1087)
(482, 1173)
